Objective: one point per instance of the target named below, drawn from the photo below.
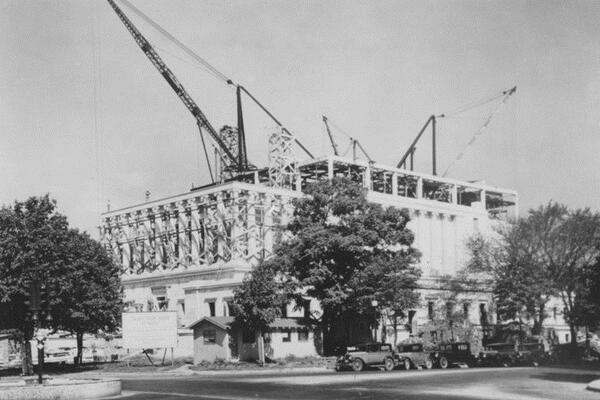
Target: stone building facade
(187, 253)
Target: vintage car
(367, 355)
(449, 354)
(507, 354)
(532, 354)
(413, 356)
(498, 354)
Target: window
(287, 336)
(449, 310)
(259, 216)
(284, 311)
(433, 336)
(483, 314)
(466, 307)
(411, 316)
(162, 303)
(566, 337)
(210, 336)
(303, 336)
(430, 309)
(554, 312)
(211, 308)
(306, 308)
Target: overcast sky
(85, 117)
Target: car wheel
(358, 365)
(388, 364)
(443, 363)
(428, 363)
(407, 365)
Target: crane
(432, 120)
(232, 163)
(333, 144)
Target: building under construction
(187, 252)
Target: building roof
(227, 322)
(221, 322)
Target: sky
(85, 117)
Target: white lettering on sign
(148, 330)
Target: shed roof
(221, 322)
(227, 322)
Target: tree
(31, 233)
(531, 260)
(349, 254)
(90, 287)
(260, 299)
(568, 245)
(78, 280)
(521, 286)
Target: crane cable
(474, 104)
(210, 68)
(506, 94)
(352, 140)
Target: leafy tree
(260, 299)
(520, 283)
(568, 245)
(77, 279)
(349, 254)
(586, 307)
(91, 294)
(31, 233)
(531, 260)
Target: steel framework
(233, 222)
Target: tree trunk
(260, 344)
(79, 358)
(26, 360)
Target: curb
(594, 386)
(62, 389)
(187, 372)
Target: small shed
(224, 338)
(212, 339)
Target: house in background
(223, 338)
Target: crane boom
(333, 144)
(229, 158)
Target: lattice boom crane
(230, 160)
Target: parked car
(413, 356)
(496, 354)
(532, 353)
(453, 354)
(61, 355)
(367, 354)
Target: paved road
(480, 383)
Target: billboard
(148, 330)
